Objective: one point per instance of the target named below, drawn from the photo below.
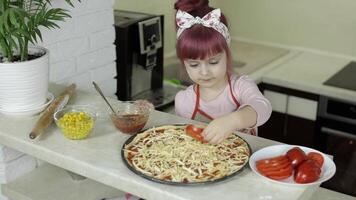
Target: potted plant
(23, 65)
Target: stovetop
(345, 78)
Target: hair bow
(212, 20)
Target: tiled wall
(80, 52)
(83, 50)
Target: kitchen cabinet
(293, 116)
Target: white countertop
(98, 158)
(255, 56)
(307, 72)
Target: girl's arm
(248, 94)
(254, 110)
(184, 103)
(245, 117)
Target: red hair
(198, 41)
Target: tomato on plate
(317, 157)
(296, 155)
(276, 168)
(280, 174)
(263, 167)
(307, 172)
(195, 132)
(276, 159)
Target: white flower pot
(24, 85)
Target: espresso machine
(139, 52)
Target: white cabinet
(293, 117)
(278, 100)
(292, 105)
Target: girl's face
(208, 72)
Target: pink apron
(202, 116)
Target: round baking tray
(177, 183)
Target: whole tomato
(307, 172)
(296, 155)
(317, 157)
(195, 132)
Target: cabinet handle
(338, 133)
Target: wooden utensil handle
(47, 117)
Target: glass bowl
(75, 122)
(131, 116)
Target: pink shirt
(245, 90)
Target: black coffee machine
(139, 51)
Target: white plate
(327, 171)
(28, 112)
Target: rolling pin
(47, 117)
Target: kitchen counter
(253, 56)
(307, 72)
(98, 158)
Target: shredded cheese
(168, 153)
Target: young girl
(227, 101)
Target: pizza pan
(171, 182)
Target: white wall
(325, 25)
(80, 52)
(83, 50)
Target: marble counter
(98, 158)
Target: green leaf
(11, 42)
(2, 28)
(70, 2)
(33, 36)
(6, 18)
(3, 44)
(24, 33)
(38, 32)
(20, 22)
(14, 17)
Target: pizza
(168, 154)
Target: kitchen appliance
(345, 78)
(139, 52)
(336, 135)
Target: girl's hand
(219, 129)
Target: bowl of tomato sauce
(131, 116)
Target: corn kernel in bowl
(75, 124)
